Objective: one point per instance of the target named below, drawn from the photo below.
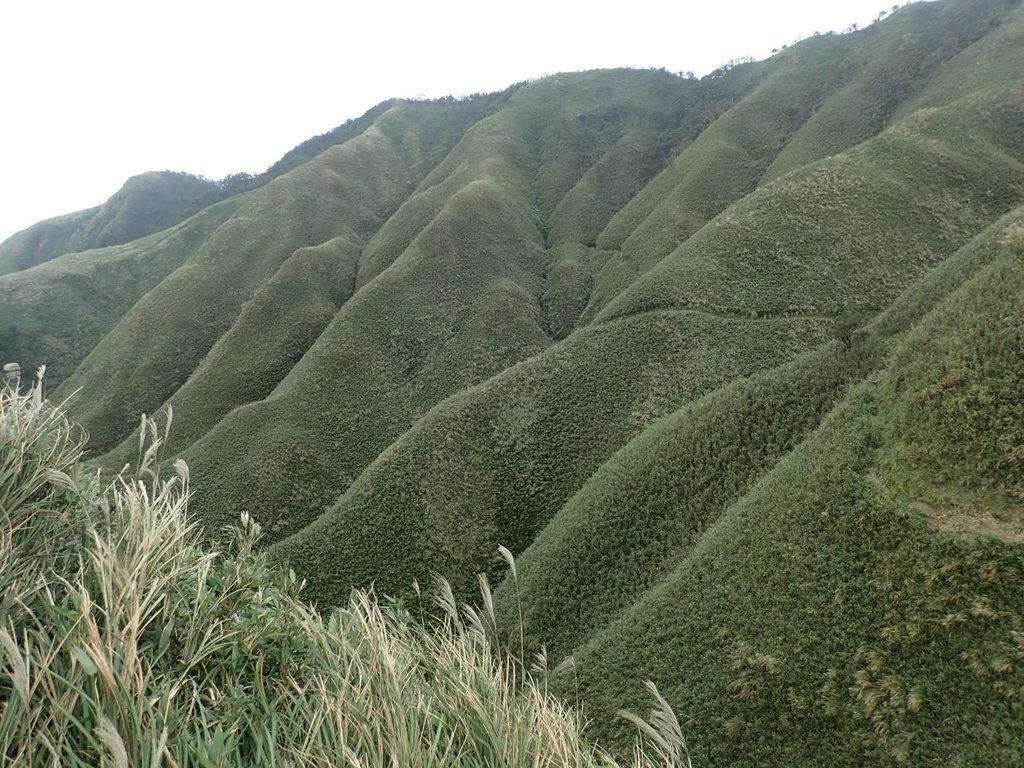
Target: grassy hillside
(147, 203)
(824, 601)
(347, 192)
(991, 62)
(154, 201)
(730, 364)
(849, 232)
(727, 159)
(889, 66)
(425, 327)
(970, 369)
(636, 516)
(124, 642)
(644, 508)
(491, 465)
(514, 452)
(458, 303)
(56, 313)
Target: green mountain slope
(824, 602)
(644, 509)
(492, 464)
(346, 192)
(731, 365)
(557, 431)
(147, 203)
(457, 304)
(849, 232)
(890, 65)
(56, 313)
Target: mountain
(147, 203)
(731, 364)
(151, 202)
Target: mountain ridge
(698, 352)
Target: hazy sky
(94, 91)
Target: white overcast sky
(94, 91)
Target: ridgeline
(732, 365)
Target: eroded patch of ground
(966, 514)
(968, 520)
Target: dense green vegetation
(123, 642)
(823, 602)
(57, 312)
(347, 192)
(732, 365)
(147, 203)
(957, 411)
(635, 517)
(491, 465)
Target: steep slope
(346, 192)
(750, 124)
(633, 519)
(569, 124)
(147, 203)
(957, 419)
(727, 159)
(889, 66)
(290, 310)
(992, 62)
(845, 235)
(456, 304)
(153, 201)
(824, 602)
(730, 364)
(55, 313)
(492, 464)
(642, 511)
(920, 189)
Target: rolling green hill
(147, 203)
(834, 597)
(732, 365)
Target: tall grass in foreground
(125, 641)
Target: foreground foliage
(125, 642)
